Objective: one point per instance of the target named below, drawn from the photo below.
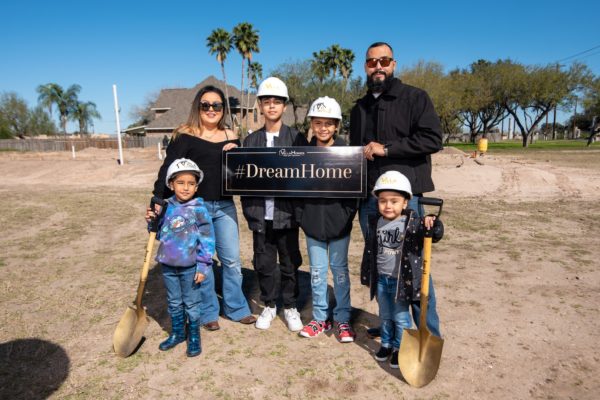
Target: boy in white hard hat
(271, 220)
(187, 245)
(392, 262)
(327, 223)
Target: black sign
(295, 172)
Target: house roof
(177, 102)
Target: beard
(379, 85)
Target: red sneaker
(344, 332)
(315, 328)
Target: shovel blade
(130, 331)
(419, 356)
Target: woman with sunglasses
(202, 139)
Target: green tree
(320, 66)
(245, 39)
(297, 77)
(16, 119)
(65, 100)
(14, 114)
(529, 93)
(347, 57)
(591, 100)
(255, 74)
(84, 113)
(40, 122)
(219, 44)
(444, 91)
(49, 95)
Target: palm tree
(219, 43)
(65, 100)
(245, 39)
(346, 60)
(48, 95)
(319, 65)
(255, 74)
(84, 113)
(333, 58)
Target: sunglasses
(217, 107)
(384, 61)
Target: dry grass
(517, 288)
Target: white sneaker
(292, 316)
(266, 317)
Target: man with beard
(399, 129)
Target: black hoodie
(326, 218)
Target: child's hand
(429, 220)
(199, 277)
(150, 215)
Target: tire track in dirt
(510, 182)
(565, 185)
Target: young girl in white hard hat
(392, 262)
(327, 223)
(187, 245)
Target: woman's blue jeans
(182, 293)
(394, 315)
(367, 208)
(324, 255)
(235, 305)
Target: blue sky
(143, 46)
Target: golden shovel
(420, 350)
(133, 323)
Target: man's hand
(374, 149)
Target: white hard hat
(325, 107)
(392, 180)
(272, 87)
(183, 165)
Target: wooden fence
(80, 144)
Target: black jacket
(326, 218)
(408, 125)
(284, 209)
(410, 259)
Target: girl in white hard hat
(392, 262)
(327, 223)
(187, 245)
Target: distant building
(172, 107)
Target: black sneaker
(394, 360)
(373, 333)
(384, 353)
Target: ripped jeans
(333, 254)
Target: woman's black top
(204, 153)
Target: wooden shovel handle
(425, 279)
(144, 271)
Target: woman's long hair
(194, 124)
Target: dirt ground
(516, 278)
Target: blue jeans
(182, 293)
(367, 208)
(394, 315)
(227, 241)
(332, 254)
